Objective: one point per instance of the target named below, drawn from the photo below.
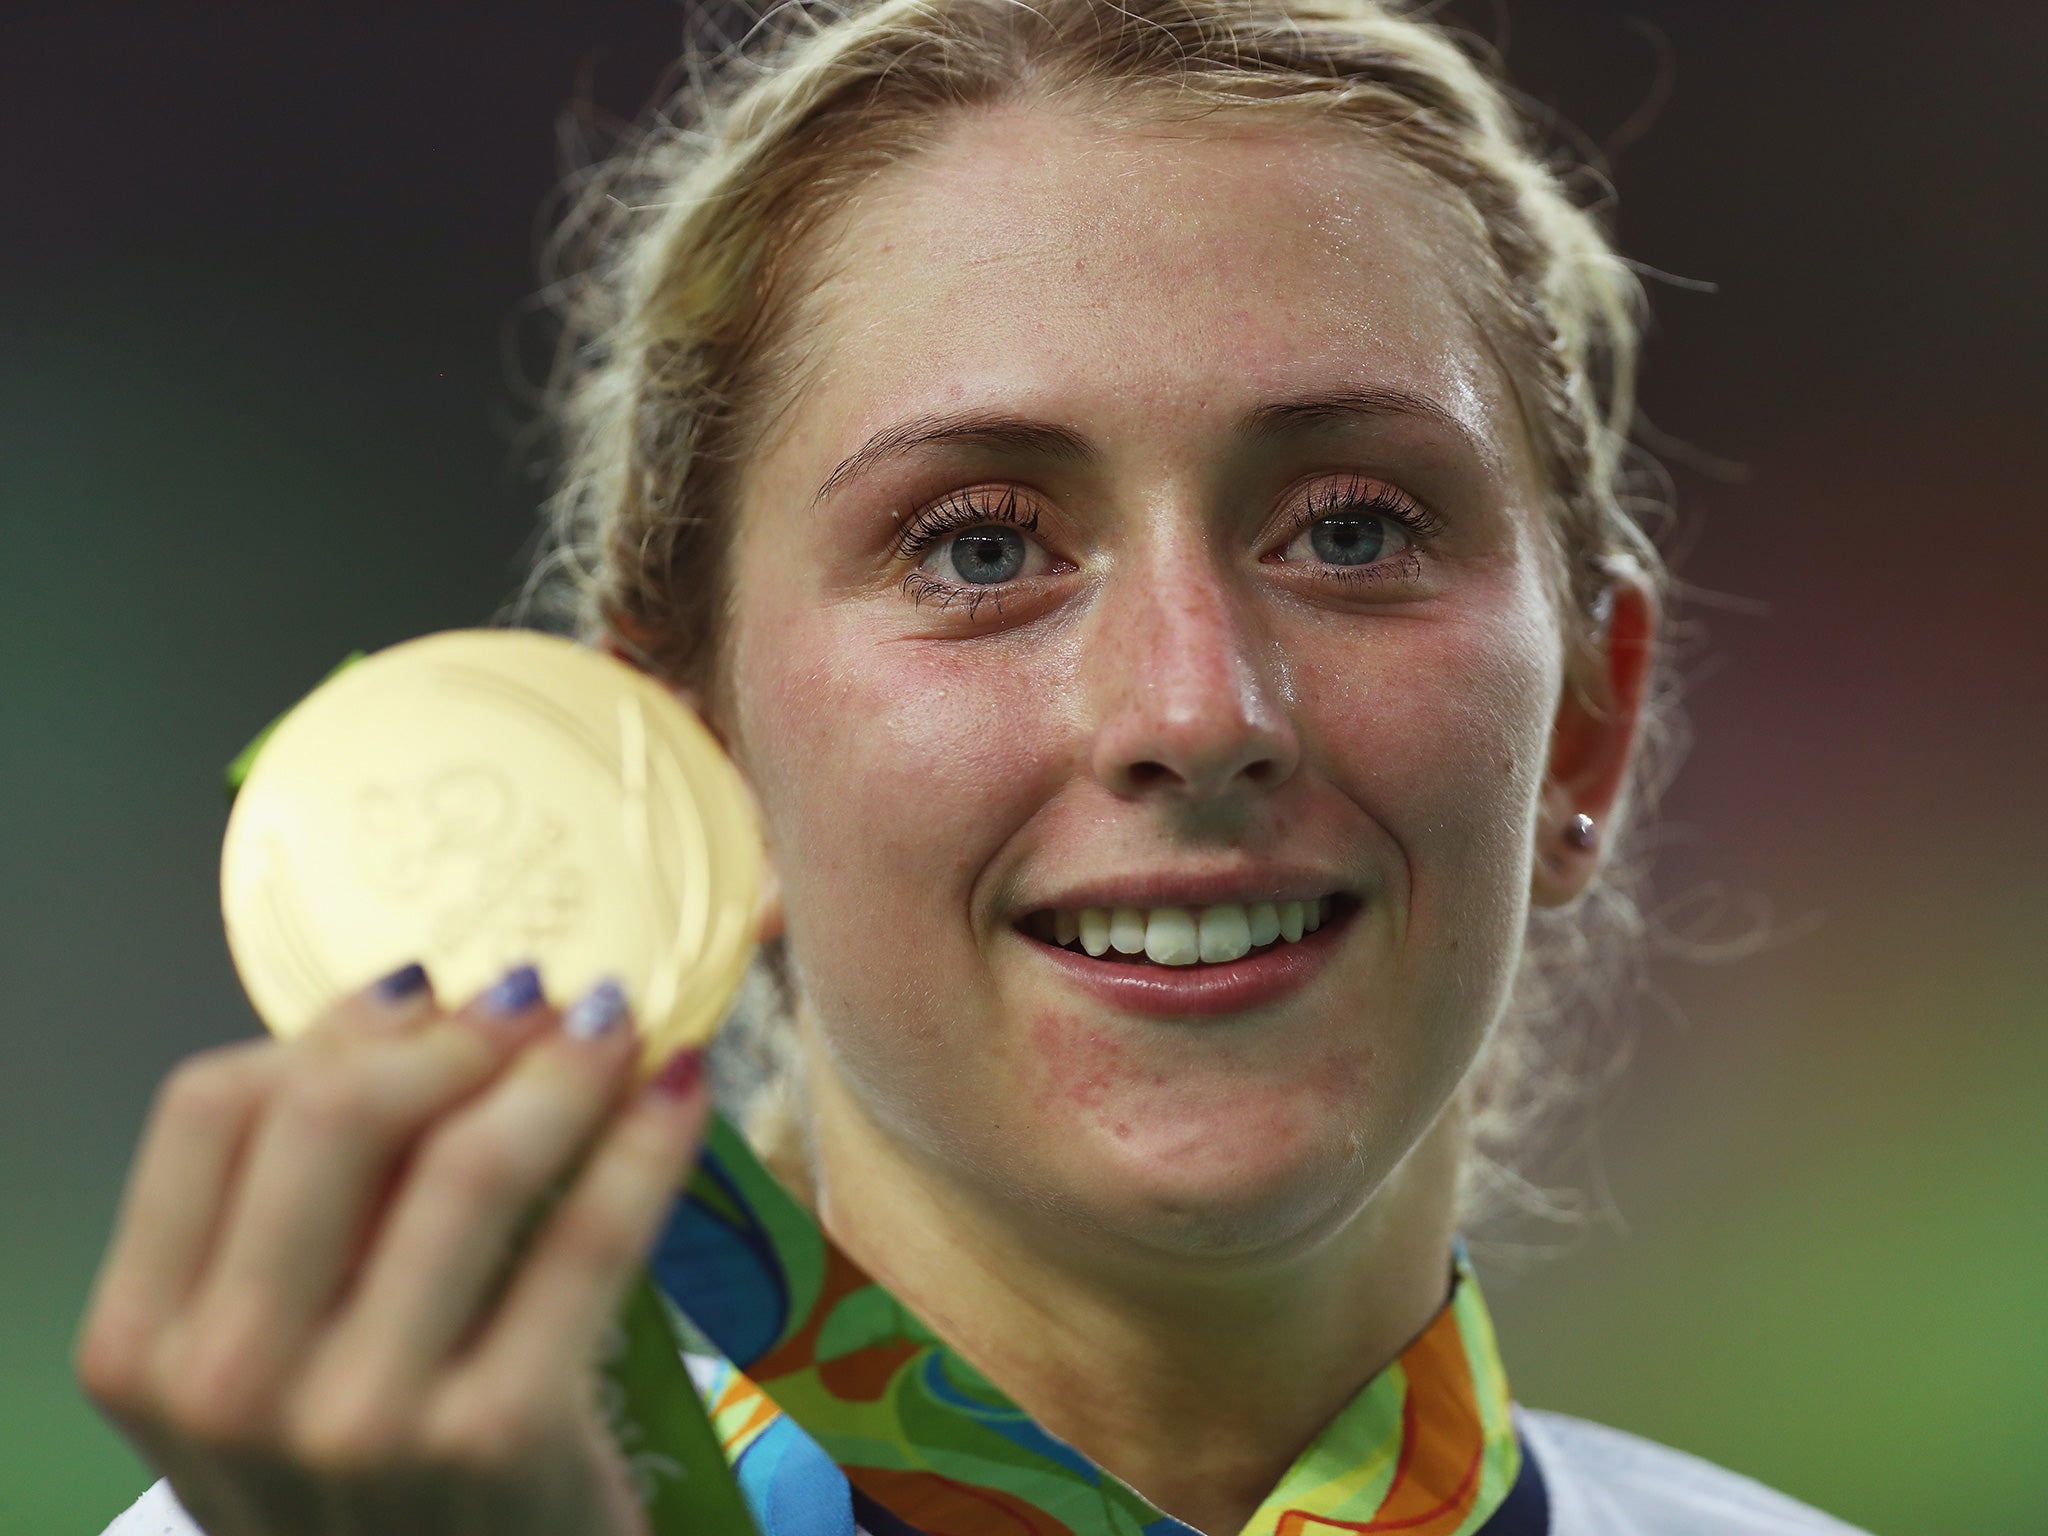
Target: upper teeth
(1182, 935)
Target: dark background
(257, 266)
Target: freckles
(951, 713)
(947, 749)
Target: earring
(1579, 831)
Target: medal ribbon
(834, 1402)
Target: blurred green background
(256, 282)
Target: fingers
(469, 1193)
(548, 1328)
(360, 1089)
(179, 1194)
(391, 1005)
(176, 1187)
(301, 1299)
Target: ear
(1593, 741)
(768, 916)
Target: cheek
(888, 771)
(1439, 732)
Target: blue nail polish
(597, 1012)
(514, 992)
(401, 983)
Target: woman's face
(1156, 530)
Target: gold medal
(482, 798)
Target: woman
(1137, 490)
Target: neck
(1197, 1384)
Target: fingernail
(401, 983)
(678, 1079)
(597, 1012)
(514, 992)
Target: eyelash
(1361, 494)
(933, 524)
(1353, 495)
(960, 511)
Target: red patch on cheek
(1228, 1114)
(1078, 1064)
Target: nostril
(1265, 772)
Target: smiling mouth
(1186, 936)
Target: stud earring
(1579, 831)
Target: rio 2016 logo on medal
(459, 847)
(482, 798)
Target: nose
(1191, 699)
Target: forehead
(1038, 260)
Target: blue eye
(969, 543)
(1353, 540)
(1349, 539)
(1359, 529)
(984, 555)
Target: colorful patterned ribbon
(835, 1403)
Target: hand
(316, 1313)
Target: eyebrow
(1047, 440)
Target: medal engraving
(478, 867)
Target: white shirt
(1600, 1481)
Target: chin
(1206, 1143)
(1238, 1187)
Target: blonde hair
(687, 255)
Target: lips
(1139, 983)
